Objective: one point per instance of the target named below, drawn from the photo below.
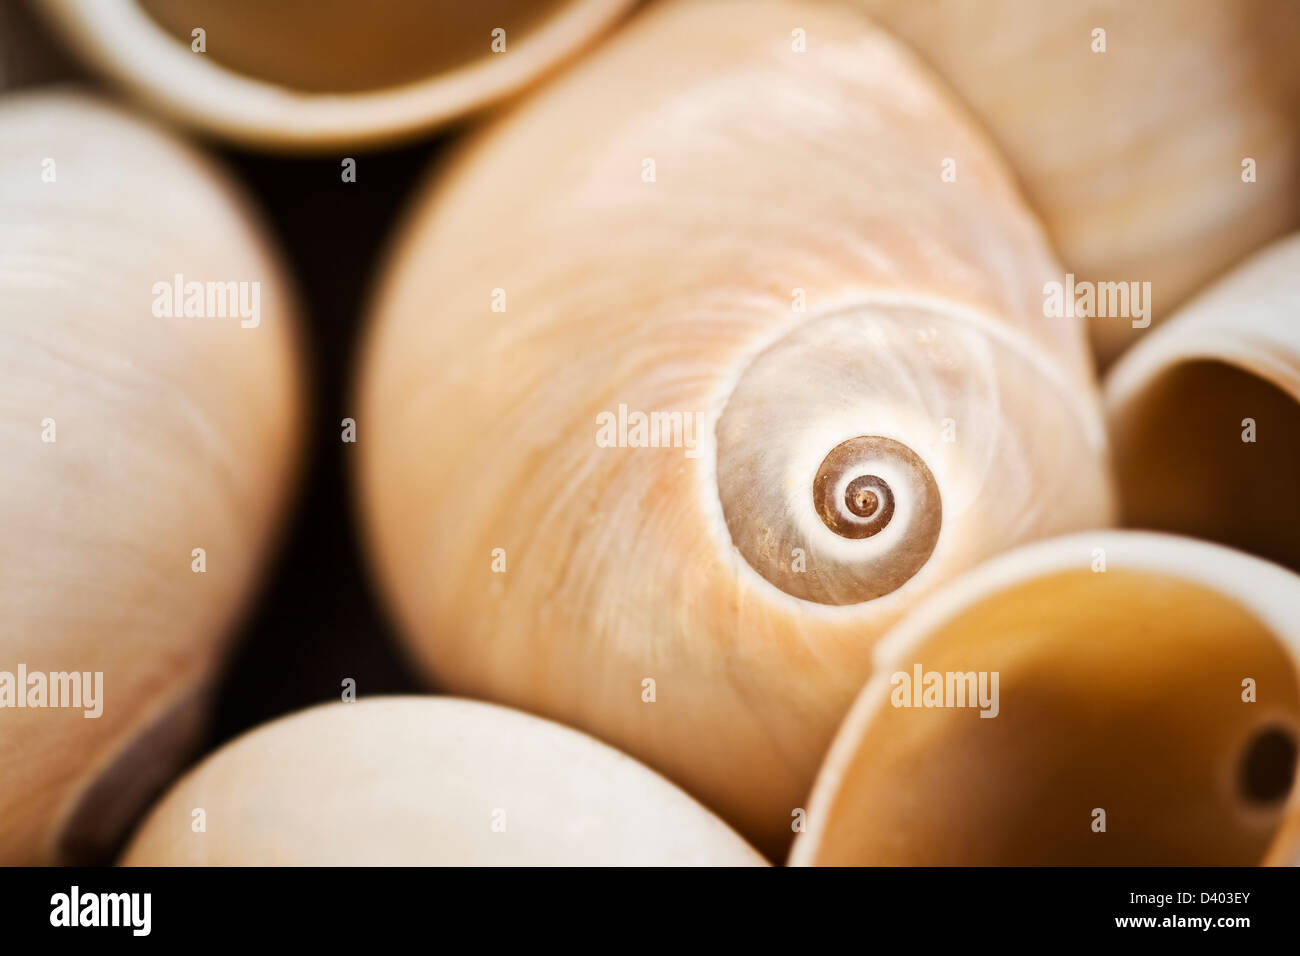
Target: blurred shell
(779, 174)
(1180, 403)
(320, 74)
(409, 781)
(170, 434)
(1120, 691)
(1133, 157)
(28, 55)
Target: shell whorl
(853, 502)
(847, 446)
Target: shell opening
(123, 790)
(1211, 450)
(1268, 766)
(1122, 735)
(329, 46)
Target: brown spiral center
(862, 503)
(851, 499)
(867, 504)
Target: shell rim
(118, 38)
(1254, 582)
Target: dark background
(317, 619)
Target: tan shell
(169, 434)
(319, 74)
(782, 179)
(1182, 403)
(1120, 690)
(421, 781)
(1133, 157)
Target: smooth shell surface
(406, 781)
(758, 246)
(320, 74)
(1205, 414)
(127, 440)
(1133, 156)
(1146, 711)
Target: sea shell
(1135, 157)
(127, 441)
(420, 781)
(321, 74)
(708, 220)
(1205, 413)
(1145, 711)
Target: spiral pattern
(854, 503)
(851, 447)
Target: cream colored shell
(1147, 712)
(1133, 156)
(1205, 413)
(700, 219)
(127, 441)
(409, 781)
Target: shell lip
(148, 750)
(1268, 591)
(1145, 364)
(121, 40)
(1210, 328)
(1173, 345)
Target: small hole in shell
(1268, 766)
